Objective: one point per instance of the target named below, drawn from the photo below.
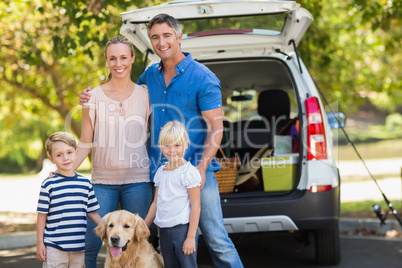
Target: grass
(367, 204)
(364, 209)
(371, 133)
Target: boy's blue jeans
(220, 246)
(134, 197)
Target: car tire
(327, 246)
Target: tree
(352, 49)
(50, 51)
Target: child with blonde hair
(66, 199)
(176, 206)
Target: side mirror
(336, 120)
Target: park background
(51, 50)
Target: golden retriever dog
(126, 237)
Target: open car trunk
(260, 116)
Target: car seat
(251, 135)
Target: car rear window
(271, 24)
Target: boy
(65, 201)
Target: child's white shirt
(173, 203)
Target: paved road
(266, 250)
(281, 250)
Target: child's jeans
(171, 240)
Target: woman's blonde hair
(173, 132)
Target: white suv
(270, 101)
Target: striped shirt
(66, 201)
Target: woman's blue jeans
(220, 246)
(134, 197)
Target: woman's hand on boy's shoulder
(51, 173)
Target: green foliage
(372, 133)
(393, 122)
(353, 49)
(17, 163)
(24, 126)
(87, 26)
(79, 26)
(380, 14)
(51, 50)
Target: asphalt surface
(266, 250)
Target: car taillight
(320, 188)
(316, 141)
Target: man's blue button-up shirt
(193, 90)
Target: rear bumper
(299, 210)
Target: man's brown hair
(165, 18)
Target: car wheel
(327, 246)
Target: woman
(114, 124)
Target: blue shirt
(193, 90)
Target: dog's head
(120, 228)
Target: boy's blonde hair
(65, 137)
(173, 132)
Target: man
(185, 90)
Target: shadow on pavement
(26, 257)
(265, 250)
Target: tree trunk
(43, 155)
